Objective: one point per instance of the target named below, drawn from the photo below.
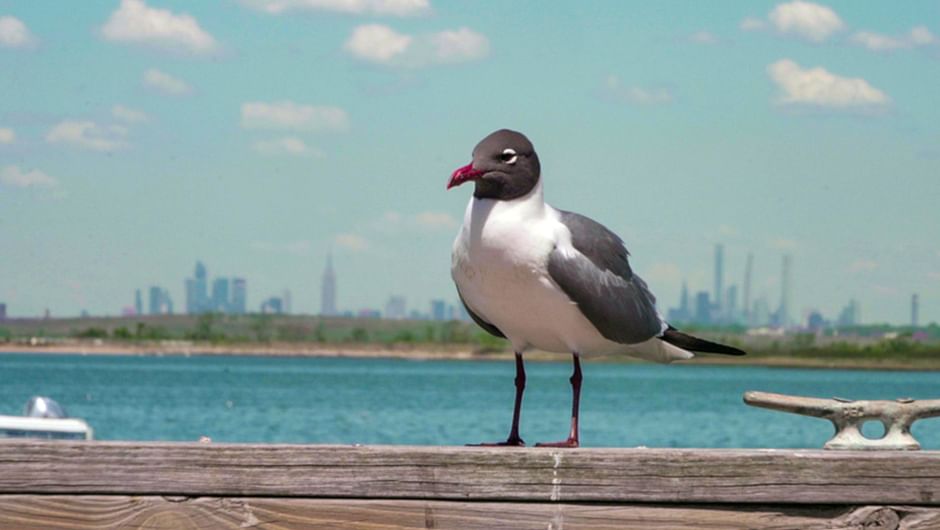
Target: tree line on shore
(868, 342)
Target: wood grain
(471, 473)
(25, 512)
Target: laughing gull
(549, 279)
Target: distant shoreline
(432, 352)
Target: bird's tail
(690, 343)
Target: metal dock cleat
(848, 416)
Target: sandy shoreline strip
(423, 352)
(272, 349)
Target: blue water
(384, 401)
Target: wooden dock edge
(190, 485)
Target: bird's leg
(514, 438)
(572, 440)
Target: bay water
(393, 401)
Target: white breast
(500, 266)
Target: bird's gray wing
(599, 279)
(489, 328)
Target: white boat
(44, 418)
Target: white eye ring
(509, 156)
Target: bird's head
(504, 167)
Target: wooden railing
(192, 485)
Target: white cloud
(377, 43)
(7, 136)
(813, 22)
(129, 115)
(165, 83)
(381, 44)
(288, 145)
(435, 220)
(88, 135)
(876, 42)
(921, 36)
(137, 23)
(818, 87)
(455, 46)
(14, 177)
(15, 34)
(352, 242)
(290, 115)
(615, 90)
(806, 20)
(918, 36)
(704, 37)
(399, 8)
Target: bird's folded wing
(596, 275)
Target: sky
(137, 136)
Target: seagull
(550, 279)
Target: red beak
(463, 174)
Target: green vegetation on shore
(868, 346)
(219, 329)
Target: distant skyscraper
(286, 299)
(328, 290)
(138, 302)
(850, 315)
(915, 309)
(220, 297)
(719, 279)
(202, 287)
(683, 313)
(167, 303)
(782, 318)
(395, 308)
(684, 300)
(3, 312)
(273, 305)
(438, 310)
(190, 288)
(731, 304)
(703, 308)
(239, 296)
(815, 322)
(156, 300)
(760, 313)
(746, 303)
(197, 291)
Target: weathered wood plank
(471, 473)
(24, 512)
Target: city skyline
(718, 306)
(262, 138)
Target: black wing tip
(688, 342)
